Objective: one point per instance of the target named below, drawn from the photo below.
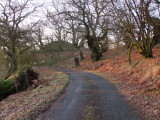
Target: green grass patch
(50, 62)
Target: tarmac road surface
(89, 97)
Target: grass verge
(29, 104)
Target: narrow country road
(89, 97)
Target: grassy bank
(30, 103)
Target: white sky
(41, 13)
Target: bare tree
(12, 32)
(39, 34)
(93, 16)
(58, 26)
(76, 33)
(139, 26)
(77, 37)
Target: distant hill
(59, 46)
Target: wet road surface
(89, 97)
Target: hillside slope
(139, 82)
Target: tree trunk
(12, 58)
(76, 60)
(147, 53)
(81, 55)
(95, 53)
(12, 67)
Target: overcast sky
(40, 14)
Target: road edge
(32, 115)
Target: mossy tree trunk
(19, 81)
(13, 65)
(76, 60)
(81, 55)
(12, 60)
(7, 87)
(145, 51)
(94, 48)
